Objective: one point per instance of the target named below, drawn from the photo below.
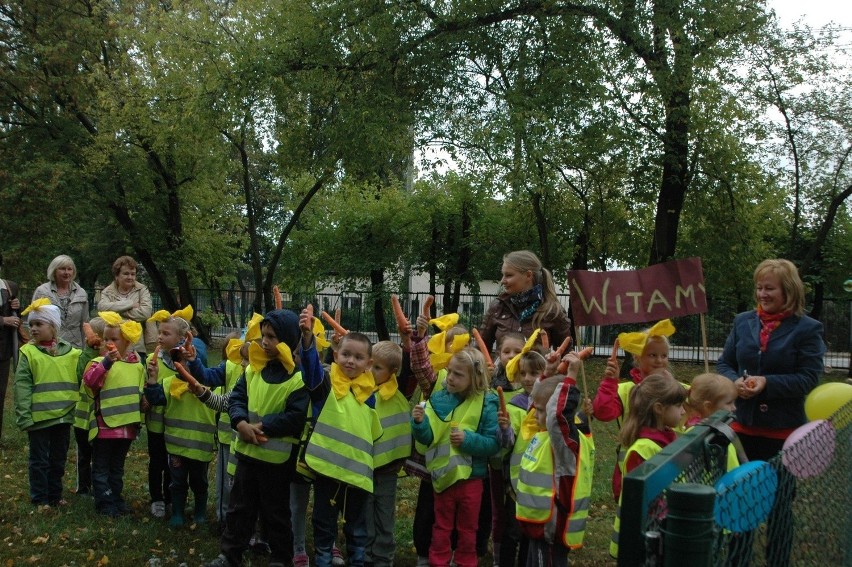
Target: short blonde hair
(791, 283)
(61, 261)
(389, 354)
(477, 369)
(709, 387)
(98, 325)
(543, 389)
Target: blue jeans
(108, 456)
(332, 498)
(48, 453)
(187, 474)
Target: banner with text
(661, 291)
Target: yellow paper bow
(437, 345)
(177, 388)
(253, 327)
(512, 367)
(232, 351)
(634, 343)
(529, 426)
(162, 315)
(258, 357)
(130, 330)
(319, 335)
(389, 388)
(362, 386)
(36, 305)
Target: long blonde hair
(655, 388)
(477, 369)
(527, 261)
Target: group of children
(512, 437)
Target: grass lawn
(75, 535)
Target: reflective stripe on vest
(120, 396)
(190, 426)
(154, 419)
(646, 449)
(347, 455)
(581, 496)
(517, 416)
(535, 488)
(232, 374)
(395, 442)
(446, 463)
(55, 386)
(265, 399)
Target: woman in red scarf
(774, 355)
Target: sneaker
(301, 560)
(158, 509)
(220, 561)
(337, 557)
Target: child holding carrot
(46, 390)
(457, 431)
(115, 382)
(656, 408)
(555, 473)
(93, 331)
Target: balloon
(825, 400)
(745, 496)
(809, 450)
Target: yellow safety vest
(446, 464)
(646, 449)
(154, 418)
(341, 445)
(395, 443)
(263, 399)
(120, 396)
(55, 385)
(517, 416)
(233, 372)
(190, 426)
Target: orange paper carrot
(276, 294)
(564, 346)
(427, 306)
(402, 322)
(545, 340)
(111, 346)
(614, 354)
(502, 399)
(187, 377)
(337, 315)
(482, 348)
(338, 328)
(582, 355)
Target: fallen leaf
(41, 539)
(103, 561)
(91, 555)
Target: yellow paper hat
(162, 315)
(36, 305)
(130, 330)
(319, 335)
(232, 351)
(512, 367)
(253, 327)
(634, 343)
(440, 355)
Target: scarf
(529, 426)
(768, 323)
(258, 357)
(527, 302)
(388, 389)
(362, 386)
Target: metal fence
(792, 510)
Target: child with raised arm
(115, 382)
(510, 544)
(650, 349)
(656, 408)
(268, 408)
(554, 481)
(46, 391)
(340, 448)
(389, 453)
(457, 432)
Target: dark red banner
(661, 291)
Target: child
(340, 448)
(93, 347)
(708, 394)
(189, 426)
(389, 453)
(651, 351)
(554, 482)
(457, 430)
(656, 408)
(115, 382)
(171, 333)
(268, 408)
(509, 346)
(510, 545)
(46, 391)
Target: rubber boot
(178, 505)
(200, 514)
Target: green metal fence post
(689, 533)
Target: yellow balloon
(825, 400)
